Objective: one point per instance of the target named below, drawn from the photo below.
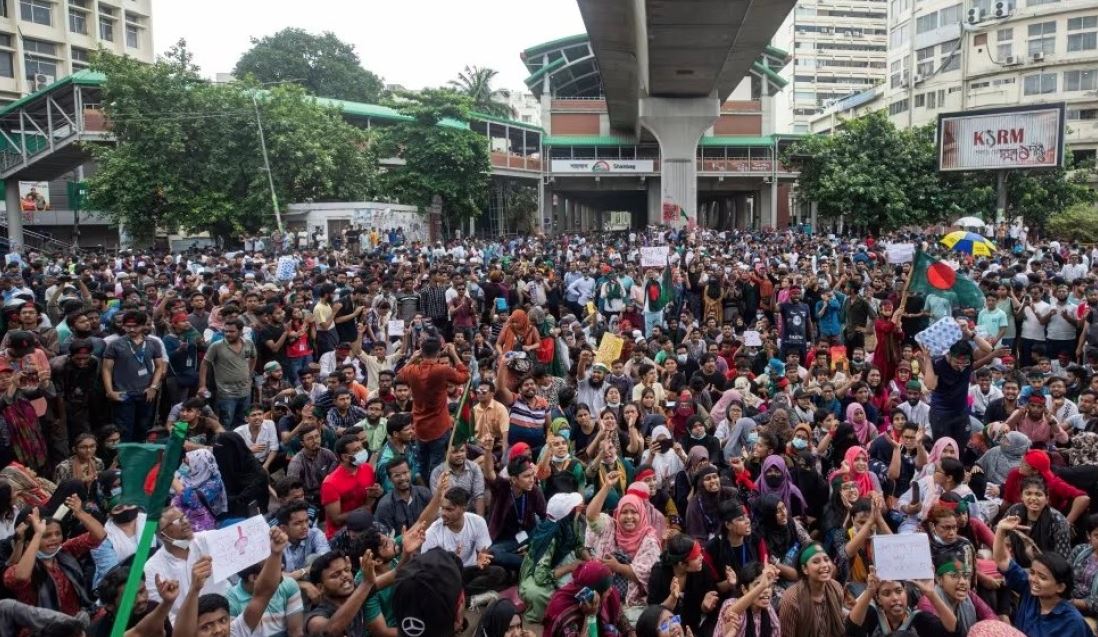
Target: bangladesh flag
(464, 427)
(141, 466)
(931, 276)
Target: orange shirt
(430, 406)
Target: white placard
(751, 338)
(236, 547)
(396, 327)
(902, 557)
(900, 252)
(653, 256)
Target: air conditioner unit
(919, 79)
(41, 81)
(1038, 56)
(1002, 10)
(975, 15)
(1012, 60)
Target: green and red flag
(464, 426)
(931, 276)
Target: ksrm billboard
(1002, 138)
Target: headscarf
(863, 479)
(630, 541)
(787, 490)
(998, 461)
(593, 575)
(516, 332)
(558, 530)
(666, 465)
(737, 438)
(496, 619)
(994, 628)
(779, 538)
(935, 456)
(695, 457)
(203, 468)
(861, 430)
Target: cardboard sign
(653, 256)
(236, 547)
(751, 338)
(396, 327)
(609, 349)
(902, 557)
(900, 252)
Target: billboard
(604, 166)
(1002, 138)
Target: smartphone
(61, 512)
(585, 595)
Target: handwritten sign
(900, 252)
(653, 256)
(236, 547)
(609, 349)
(751, 338)
(903, 557)
(396, 327)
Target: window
(897, 107)
(1034, 3)
(3, 8)
(1083, 33)
(1042, 38)
(78, 21)
(931, 101)
(920, 101)
(950, 15)
(898, 36)
(1083, 156)
(7, 55)
(1004, 47)
(1080, 80)
(926, 23)
(133, 37)
(1082, 113)
(106, 28)
(81, 59)
(951, 55)
(40, 58)
(924, 61)
(36, 11)
(1039, 84)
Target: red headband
(695, 552)
(643, 474)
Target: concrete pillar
(766, 103)
(813, 217)
(654, 211)
(768, 206)
(15, 212)
(678, 123)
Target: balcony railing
(514, 161)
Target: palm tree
(476, 83)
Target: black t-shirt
(689, 606)
(950, 396)
(266, 354)
(794, 323)
(924, 625)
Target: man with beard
(147, 617)
(199, 318)
(84, 324)
(407, 503)
(1001, 409)
(402, 392)
(461, 472)
(914, 408)
(337, 611)
(80, 399)
(401, 442)
(591, 391)
(132, 370)
(312, 464)
(466, 535)
(374, 425)
(232, 361)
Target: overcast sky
(415, 43)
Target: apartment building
(838, 48)
(946, 55)
(42, 40)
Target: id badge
(190, 363)
(521, 537)
(142, 372)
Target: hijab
(861, 429)
(665, 464)
(496, 619)
(516, 332)
(863, 479)
(737, 439)
(630, 541)
(558, 530)
(786, 491)
(780, 539)
(593, 575)
(203, 470)
(998, 461)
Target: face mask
(560, 458)
(752, 438)
(681, 358)
(800, 443)
(42, 555)
(361, 457)
(614, 405)
(184, 470)
(128, 515)
(179, 544)
(773, 481)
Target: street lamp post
(267, 164)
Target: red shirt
(1060, 493)
(347, 488)
(431, 408)
(68, 601)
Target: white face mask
(179, 544)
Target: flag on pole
(931, 276)
(464, 427)
(667, 289)
(147, 472)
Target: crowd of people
(546, 433)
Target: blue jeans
(297, 366)
(231, 411)
(505, 553)
(133, 416)
(432, 453)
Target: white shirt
(1031, 326)
(1059, 328)
(980, 401)
(472, 538)
(267, 435)
(168, 566)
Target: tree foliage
(476, 83)
(521, 203)
(448, 160)
(1076, 223)
(880, 177)
(188, 154)
(323, 64)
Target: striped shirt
(524, 416)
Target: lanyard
(141, 358)
(520, 512)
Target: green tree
(323, 64)
(442, 155)
(1076, 223)
(188, 155)
(521, 205)
(476, 83)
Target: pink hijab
(630, 541)
(861, 430)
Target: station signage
(604, 166)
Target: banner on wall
(34, 196)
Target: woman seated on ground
(953, 584)
(1084, 564)
(882, 608)
(855, 558)
(199, 490)
(751, 614)
(813, 607)
(1044, 530)
(82, 465)
(556, 551)
(1044, 592)
(568, 609)
(681, 583)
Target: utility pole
(267, 165)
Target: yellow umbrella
(968, 243)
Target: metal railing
(41, 242)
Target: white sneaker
(482, 600)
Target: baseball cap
(272, 366)
(359, 520)
(427, 594)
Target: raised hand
(203, 568)
(74, 503)
(279, 540)
(167, 588)
(369, 570)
